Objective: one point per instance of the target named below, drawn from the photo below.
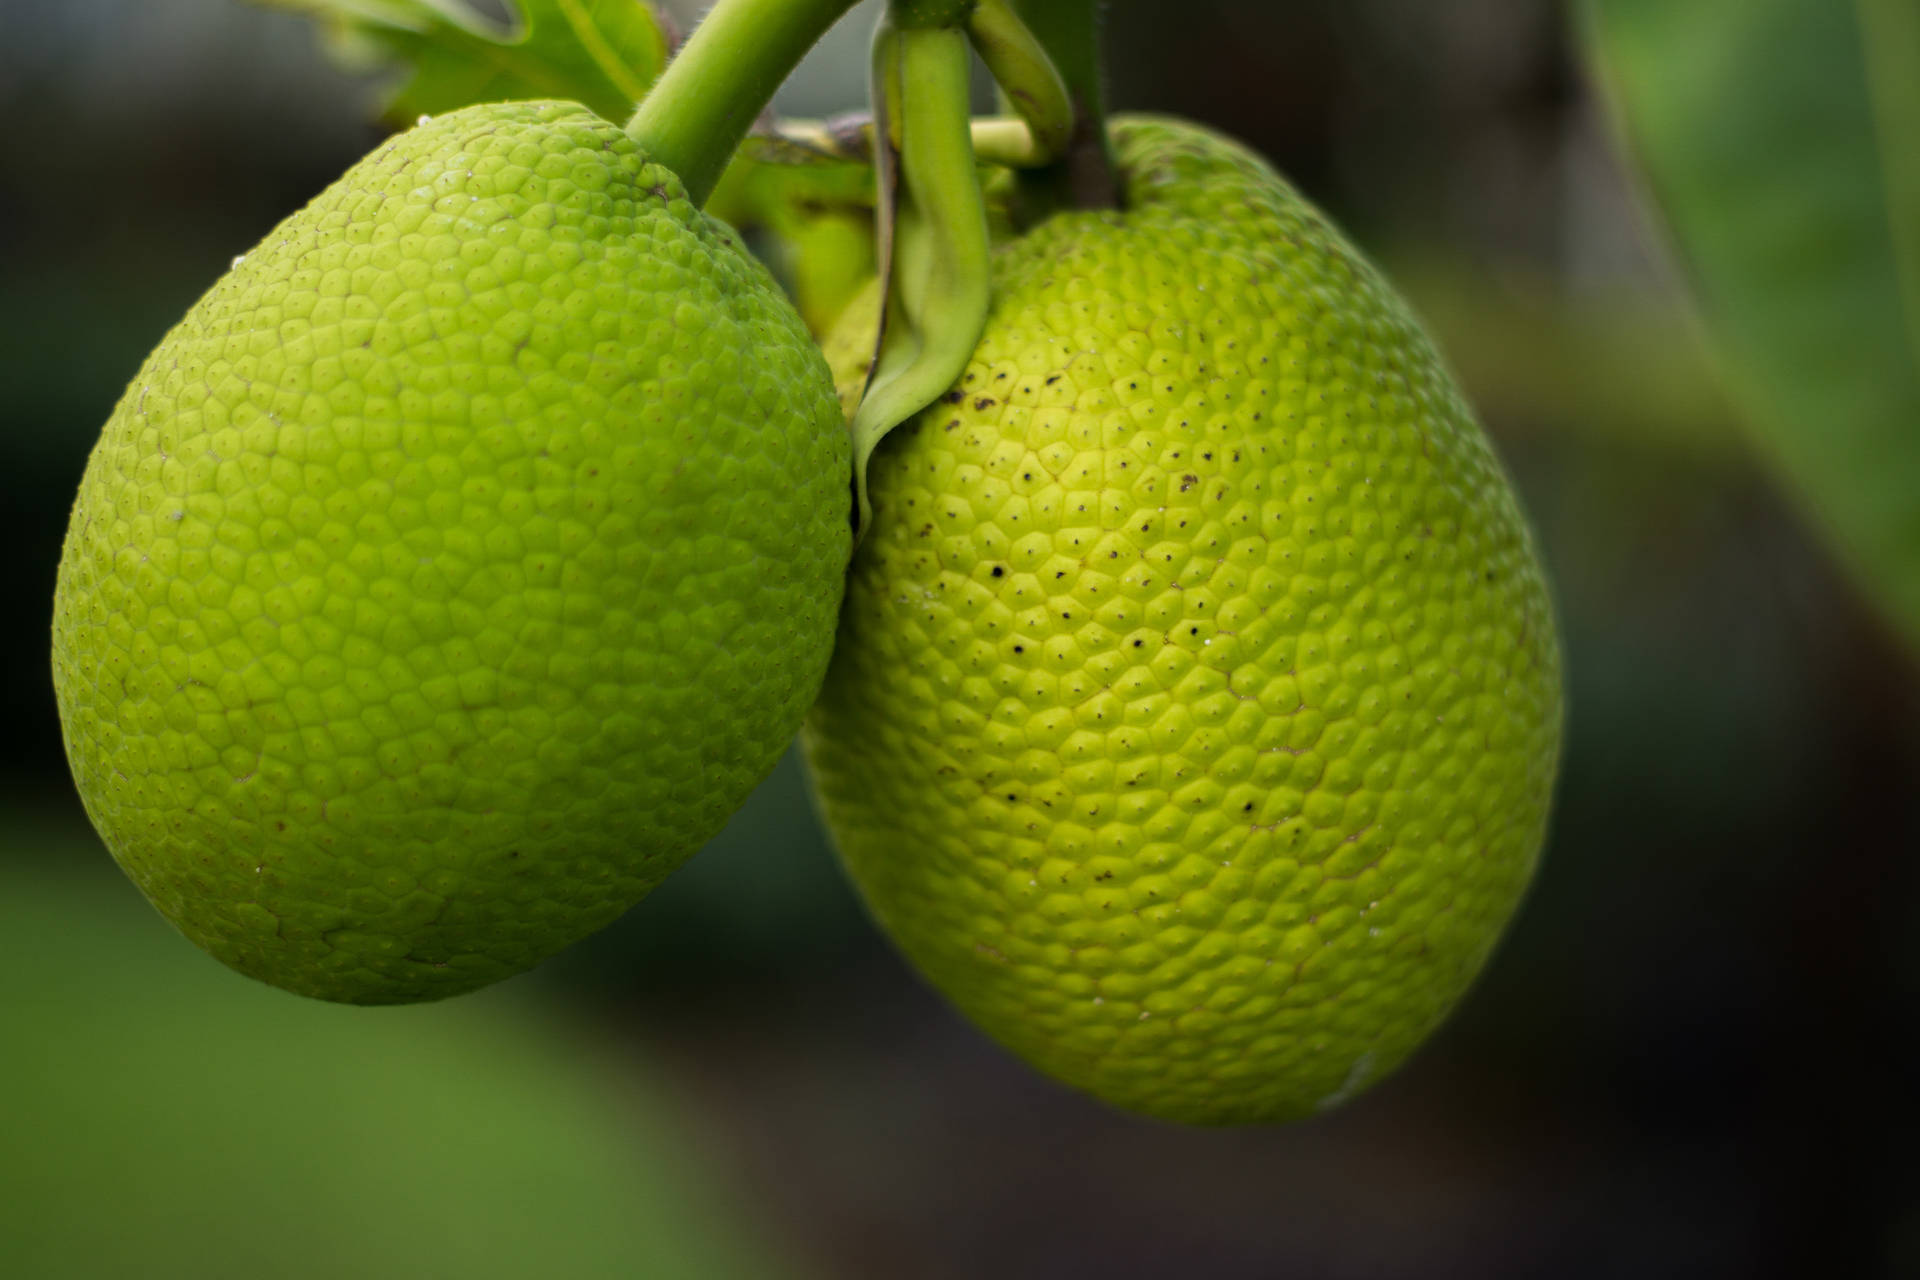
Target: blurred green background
(1695, 1054)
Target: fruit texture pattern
(455, 567)
(1197, 699)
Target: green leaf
(604, 53)
(1780, 139)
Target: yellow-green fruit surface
(1197, 701)
(455, 567)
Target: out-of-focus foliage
(164, 1118)
(1619, 366)
(1780, 139)
(816, 215)
(604, 53)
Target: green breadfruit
(455, 567)
(1197, 700)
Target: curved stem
(1024, 72)
(941, 260)
(1087, 178)
(725, 74)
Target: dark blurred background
(1693, 1055)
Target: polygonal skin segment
(455, 567)
(1197, 700)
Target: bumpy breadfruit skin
(455, 567)
(1197, 699)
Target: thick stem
(1069, 30)
(725, 74)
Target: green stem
(1020, 65)
(941, 268)
(1069, 30)
(1009, 142)
(1006, 141)
(725, 74)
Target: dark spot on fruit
(983, 403)
(953, 397)
(1055, 378)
